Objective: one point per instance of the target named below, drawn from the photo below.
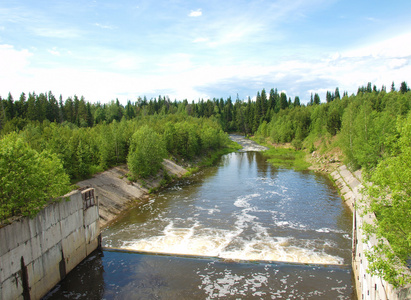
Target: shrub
(28, 179)
(147, 151)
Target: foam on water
(228, 244)
(244, 201)
(247, 239)
(267, 220)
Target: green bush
(390, 201)
(28, 179)
(147, 150)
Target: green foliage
(390, 196)
(114, 142)
(287, 158)
(333, 122)
(147, 151)
(28, 179)
(367, 133)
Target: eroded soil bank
(116, 193)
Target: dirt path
(117, 194)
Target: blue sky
(105, 50)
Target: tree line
(234, 115)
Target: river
(240, 230)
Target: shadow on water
(123, 275)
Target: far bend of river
(239, 230)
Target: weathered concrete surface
(348, 184)
(367, 286)
(117, 194)
(35, 254)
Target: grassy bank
(212, 157)
(287, 158)
(282, 157)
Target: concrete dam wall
(35, 254)
(370, 287)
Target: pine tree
(90, 120)
(264, 103)
(62, 116)
(82, 113)
(21, 106)
(52, 112)
(31, 107)
(76, 104)
(130, 112)
(369, 89)
(404, 88)
(258, 108)
(283, 101)
(297, 101)
(337, 93)
(317, 99)
(41, 107)
(2, 114)
(69, 110)
(273, 99)
(10, 111)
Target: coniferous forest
(47, 143)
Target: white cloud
(200, 40)
(14, 65)
(54, 51)
(237, 31)
(126, 62)
(12, 60)
(175, 63)
(398, 46)
(195, 13)
(371, 19)
(56, 33)
(104, 26)
(397, 63)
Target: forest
(49, 143)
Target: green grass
(287, 158)
(283, 157)
(233, 146)
(211, 158)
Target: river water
(239, 230)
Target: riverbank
(327, 162)
(117, 193)
(330, 164)
(349, 185)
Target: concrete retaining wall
(35, 254)
(367, 286)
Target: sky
(107, 50)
